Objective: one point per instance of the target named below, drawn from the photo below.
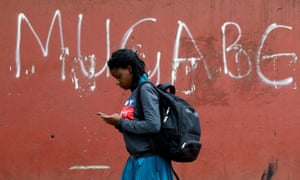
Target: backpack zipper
(166, 116)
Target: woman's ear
(129, 68)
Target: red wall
(235, 61)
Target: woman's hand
(112, 119)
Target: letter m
(44, 48)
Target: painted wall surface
(236, 61)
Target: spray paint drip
(83, 74)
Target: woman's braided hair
(123, 58)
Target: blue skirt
(147, 168)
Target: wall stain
(269, 173)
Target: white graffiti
(239, 48)
(130, 30)
(65, 50)
(84, 67)
(234, 47)
(156, 69)
(89, 61)
(89, 75)
(92, 71)
(86, 167)
(193, 60)
(293, 55)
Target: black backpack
(179, 137)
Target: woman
(129, 71)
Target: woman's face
(123, 77)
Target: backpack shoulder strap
(138, 97)
(140, 86)
(174, 172)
